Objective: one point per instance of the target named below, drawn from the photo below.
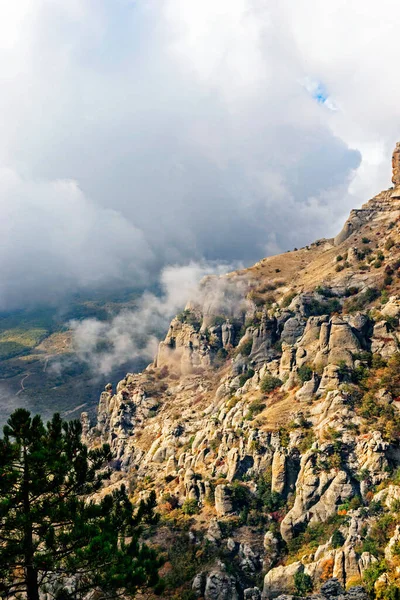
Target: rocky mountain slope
(269, 423)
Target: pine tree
(53, 533)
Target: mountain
(269, 423)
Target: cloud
(53, 239)
(139, 134)
(134, 334)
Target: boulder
(396, 165)
(223, 500)
(280, 580)
(292, 330)
(220, 586)
(331, 588)
(252, 594)
(278, 472)
(330, 380)
(308, 389)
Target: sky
(138, 135)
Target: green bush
(247, 375)
(188, 317)
(305, 373)
(303, 583)
(327, 307)
(270, 383)
(359, 302)
(337, 539)
(288, 299)
(190, 507)
(246, 346)
(373, 573)
(255, 409)
(389, 244)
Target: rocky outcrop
(396, 166)
(223, 500)
(271, 413)
(216, 585)
(318, 495)
(281, 580)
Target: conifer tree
(53, 534)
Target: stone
(199, 584)
(396, 165)
(357, 592)
(280, 580)
(264, 338)
(390, 496)
(308, 389)
(223, 501)
(292, 330)
(228, 334)
(252, 594)
(278, 472)
(393, 544)
(249, 559)
(214, 533)
(330, 380)
(331, 588)
(220, 586)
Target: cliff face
(269, 422)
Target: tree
(54, 534)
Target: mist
(134, 334)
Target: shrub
(255, 409)
(365, 240)
(327, 569)
(305, 373)
(188, 317)
(246, 346)
(303, 583)
(339, 258)
(324, 291)
(190, 506)
(389, 244)
(378, 361)
(373, 573)
(270, 383)
(337, 539)
(327, 307)
(357, 303)
(243, 378)
(388, 280)
(221, 355)
(288, 299)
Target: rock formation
(396, 166)
(269, 423)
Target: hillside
(39, 366)
(269, 423)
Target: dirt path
(69, 412)
(22, 384)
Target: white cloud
(190, 123)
